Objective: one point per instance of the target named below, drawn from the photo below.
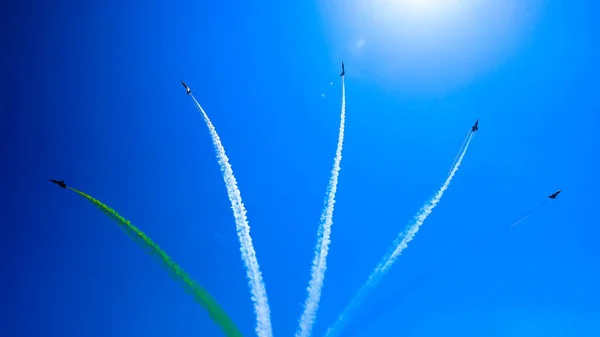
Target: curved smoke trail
(200, 294)
(319, 265)
(257, 286)
(400, 244)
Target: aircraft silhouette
(343, 71)
(186, 87)
(475, 127)
(553, 195)
(60, 183)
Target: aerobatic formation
(319, 265)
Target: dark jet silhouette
(186, 87)
(553, 196)
(60, 183)
(475, 127)
(343, 71)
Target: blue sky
(91, 95)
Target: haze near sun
(429, 45)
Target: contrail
(401, 294)
(319, 265)
(459, 151)
(400, 244)
(200, 294)
(257, 286)
(530, 212)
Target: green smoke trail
(200, 294)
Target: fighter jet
(553, 195)
(343, 71)
(186, 87)
(60, 183)
(475, 127)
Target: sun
(422, 9)
(424, 5)
(430, 45)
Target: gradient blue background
(91, 94)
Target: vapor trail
(200, 294)
(400, 244)
(255, 282)
(319, 266)
(530, 212)
(459, 151)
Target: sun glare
(430, 43)
(426, 6)
(422, 12)
(421, 8)
(422, 5)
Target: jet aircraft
(553, 195)
(186, 87)
(60, 183)
(343, 71)
(475, 127)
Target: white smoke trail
(319, 265)
(459, 151)
(400, 244)
(530, 213)
(522, 219)
(257, 287)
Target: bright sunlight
(437, 44)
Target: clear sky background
(91, 94)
